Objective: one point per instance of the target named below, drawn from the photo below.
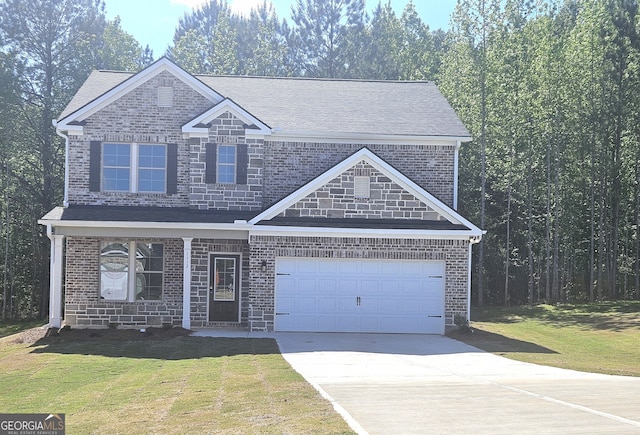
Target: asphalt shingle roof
(319, 105)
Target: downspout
(472, 241)
(455, 175)
(65, 201)
(51, 271)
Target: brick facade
(136, 117)
(275, 169)
(289, 165)
(83, 306)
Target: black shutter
(242, 163)
(95, 161)
(172, 168)
(210, 162)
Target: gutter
(65, 202)
(455, 174)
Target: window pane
(227, 154)
(115, 179)
(116, 166)
(116, 154)
(151, 180)
(114, 270)
(225, 275)
(152, 168)
(149, 271)
(152, 156)
(226, 174)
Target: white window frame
(234, 165)
(132, 246)
(134, 168)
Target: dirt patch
(27, 336)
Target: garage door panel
(370, 268)
(328, 267)
(346, 304)
(327, 304)
(306, 304)
(327, 285)
(347, 285)
(359, 295)
(369, 287)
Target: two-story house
(281, 204)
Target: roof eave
(274, 230)
(238, 225)
(365, 138)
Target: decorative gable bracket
(199, 126)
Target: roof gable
(72, 121)
(199, 125)
(430, 208)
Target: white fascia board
(365, 138)
(226, 105)
(268, 230)
(161, 65)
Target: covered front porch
(134, 274)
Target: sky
(153, 22)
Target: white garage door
(343, 295)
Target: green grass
(598, 338)
(10, 328)
(108, 382)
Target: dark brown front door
(224, 286)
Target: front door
(224, 288)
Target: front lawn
(598, 338)
(114, 381)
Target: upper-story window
(226, 164)
(134, 167)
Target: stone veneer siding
(336, 199)
(83, 306)
(289, 165)
(268, 248)
(201, 250)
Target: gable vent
(361, 187)
(165, 96)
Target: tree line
(548, 88)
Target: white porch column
(55, 281)
(186, 284)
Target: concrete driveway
(412, 384)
